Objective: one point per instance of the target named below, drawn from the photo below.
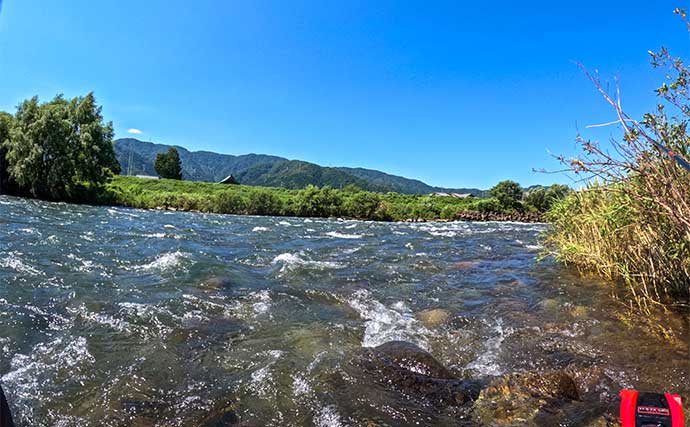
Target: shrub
(508, 194)
(263, 202)
(230, 202)
(362, 205)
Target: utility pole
(129, 163)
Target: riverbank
(325, 202)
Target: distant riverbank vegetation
(349, 202)
(62, 150)
(632, 221)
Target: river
(118, 317)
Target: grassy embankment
(311, 201)
(608, 231)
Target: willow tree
(54, 148)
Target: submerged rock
(534, 399)
(415, 373)
(433, 318)
(465, 265)
(221, 414)
(226, 418)
(216, 283)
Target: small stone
(581, 312)
(465, 265)
(433, 318)
(549, 304)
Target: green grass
(607, 231)
(311, 201)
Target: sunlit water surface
(119, 317)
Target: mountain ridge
(267, 170)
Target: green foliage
(231, 202)
(168, 165)
(542, 198)
(6, 122)
(57, 147)
(264, 202)
(321, 202)
(536, 197)
(605, 230)
(508, 194)
(311, 201)
(362, 204)
(487, 205)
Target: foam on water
(263, 303)
(30, 231)
(300, 385)
(337, 235)
(65, 360)
(149, 315)
(262, 383)
(384, 324)
(154, 235)
(328, 417)
(164, 262)
(13, 261)
(116, 324)
(259, 229)
(290, 261)
(121, 212)
(487, 363)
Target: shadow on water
(123, 317)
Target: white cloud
(134, 131)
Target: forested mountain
(137, 157)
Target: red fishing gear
(651, 409)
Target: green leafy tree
(168, 165)
(60, 146)
(6, 121)
(362, 205)
(555, 193)
(543, 198)
(319, 202)
(536, 197)
(508, 194)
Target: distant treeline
(63, 150)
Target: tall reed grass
(632, 221)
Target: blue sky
(451, 92)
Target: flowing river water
(121, 317)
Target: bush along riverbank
(309, 202)
(633, 223)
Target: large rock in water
(414, 372)
(571, 396)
